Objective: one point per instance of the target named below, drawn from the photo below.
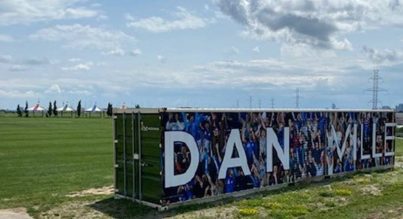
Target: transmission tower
(375, 88)
(297, 98)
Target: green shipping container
(169, 157)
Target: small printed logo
(147, 128)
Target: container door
(127, 159)
(137, 156)
(150, 134)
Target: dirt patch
(371, 190)
(14, 213)
(396, 212)
(73, 210)
(106, 190)
(220, 212)
(399, 162)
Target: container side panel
(119, 137)
(129, 137)
(129, 178)
(214, 153)
(119, 140)
(120, 185)
(129, 153)
(150, 155)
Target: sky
(214, 53)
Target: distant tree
(50, 110)
(109, 110)
(26, 109)
(79, 109)
(54, 108)
(137, 106)
(19, 113)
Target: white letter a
(229, 162)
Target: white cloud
(16, 68)
(80, 92)
(184, 20)
(74, 60)
(234, 50)
(5, 58)
(256, 49)
(37, 61)
(54, 88)
(383, 57)
(136, 52)
(79, 67)
(115, 52)
(319, 24)
(161, 59)
(129, 17)
(28, 11)
(6, 38)
(17, 94)
(85, 37)
(21, 65)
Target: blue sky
(200, 53)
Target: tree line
(52, 110)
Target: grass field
(45, 160)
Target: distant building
(399, 108)
(399, 118)
(386, 107)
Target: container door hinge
(116, 165)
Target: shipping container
(167, 157)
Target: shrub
(272, 205)
(330, 204)
(343, 192)
(326, 194)
(247, 211)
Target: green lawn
(399, 148)
(44, 159)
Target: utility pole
(250, 101)
(272, 102)
(237, 103)
(260, 104)
(375, 88)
